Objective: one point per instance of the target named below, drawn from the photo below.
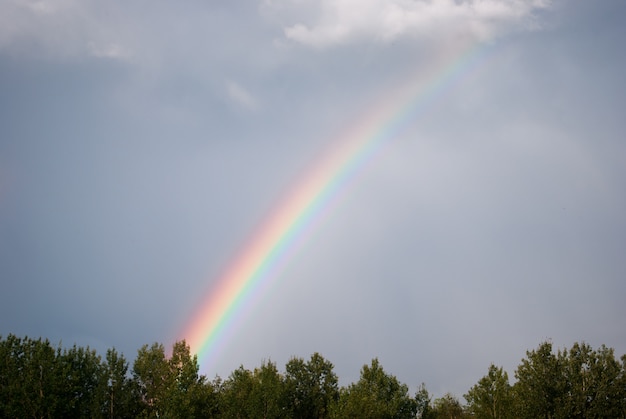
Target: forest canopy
(39, 379)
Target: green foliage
(621, 385)
(79, 370)
(118, 392)
(171, 387)
(258, 394)
(189, 394)
(311, 387)
(591, 383)
(267, 392)
(447, 407)
(151, 372)
(539, 386)
(376, 395)
(492, 397)
(38, 380)
(236, 394)
(29, 378)
(422, 402)
(581, 383)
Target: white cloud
(241, 96)
(337, 22)
(114, 51)
(44, 7)
(62, 28)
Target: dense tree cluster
(40, 380)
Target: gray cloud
(130, 177)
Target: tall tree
(188, 395)
(172, 387)
(609, 396)
(491, 397)
(236, 394)
(376, 395)
(311, 387)
(267, 396)
(539, 388)
(30, 384)
(579, 383)
(422, 402)
(119, 396)
(254, 394)
(622, 387)
(591, 380)
(152, 374)
(80, 374)
(447, 407)
(11, 361)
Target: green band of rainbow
(255, 267)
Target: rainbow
(270, 247)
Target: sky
(142, 144)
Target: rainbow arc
(256, 265)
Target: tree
(375, 395)
(579, 383)
(621, 385)
(610, 395)
(254, 394)
(80, 373)
(172, 388)
(447, 407)
(38, 380)
(236, 394)
(539, 388)
(267, 393)
(11, 361)
(30, 385)
(152, 375)
(189, 395)
(119, 396)
(311, 387)
(422, 402)
(491, 397)
(591, 383)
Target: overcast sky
(143, 142)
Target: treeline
(40, 380)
